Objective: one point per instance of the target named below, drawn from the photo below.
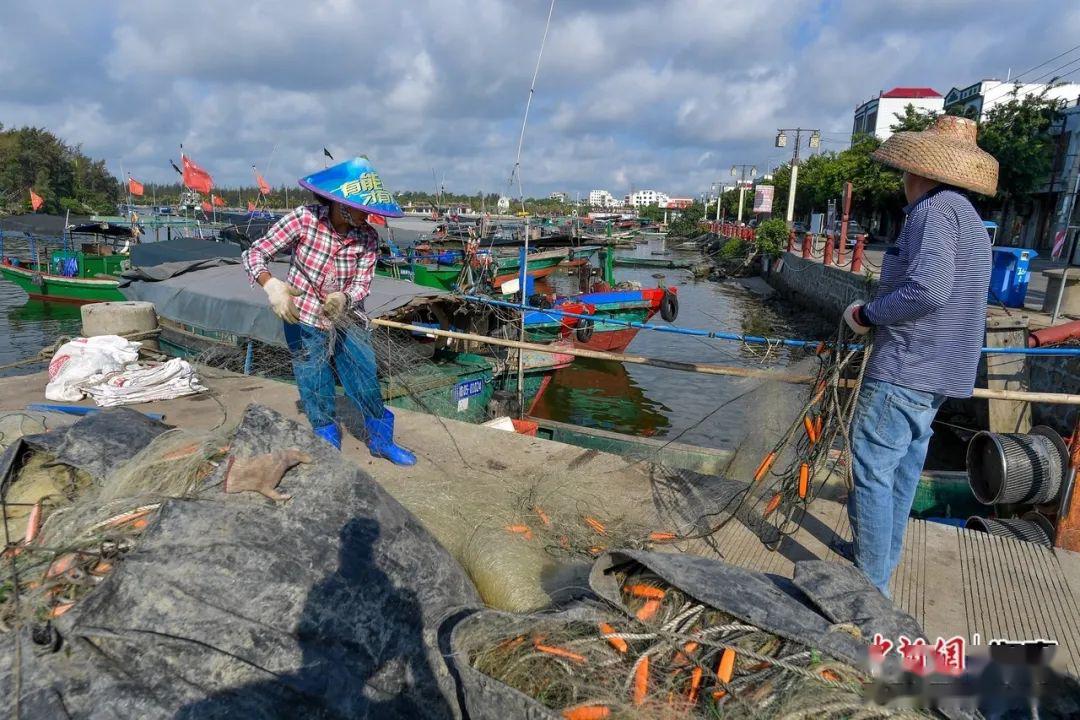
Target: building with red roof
(878, 115)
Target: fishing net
(658, 652)
(72, 525)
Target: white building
(560, 196)
(976, 100)
(877, 116)
(602, 199)
(644, 198)
(503, 204)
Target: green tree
(688, 221)
(913, 119)
(772, 237)
(1017, 134)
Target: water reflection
(27, 326)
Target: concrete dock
(953, 581)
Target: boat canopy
(215, 294)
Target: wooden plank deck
(953, 581)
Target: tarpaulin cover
(97, 444)
(230, 606)
(217, 295)
(180, 249)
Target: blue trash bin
(1009, 276)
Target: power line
(1007, 87)
(1047, 62)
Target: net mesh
(670, 657)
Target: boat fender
(584, 331)
(669, 307)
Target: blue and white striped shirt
(930, 307)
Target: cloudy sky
(649, 94)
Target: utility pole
(781, 141)
(740, 172)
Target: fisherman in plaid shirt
(321, 302)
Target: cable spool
(1016, 528)
(1017, 468)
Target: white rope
(516, 172)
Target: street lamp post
(781, 141)
(740, 172)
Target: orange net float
(811, 431)
(774, 503)
(765, 466)
(804, 480)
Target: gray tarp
(328, 606)
(216, 295)
(180, 249)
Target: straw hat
(946, 152)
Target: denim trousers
(890, 433)
(316, 361)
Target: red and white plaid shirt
(330, 261)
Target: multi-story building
(976, 100)
(877, 116)
(560, 196)
(602, 199)
(644, 198)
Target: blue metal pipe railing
(736, 337)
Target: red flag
(263, 187)
(135, 187)
(218, 201)
(376, 219)
(36, 201)
(206, 207)
(195, 177)
(251, 206)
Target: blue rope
(751, 339)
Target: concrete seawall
(828, 290)
(825, 290)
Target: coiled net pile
(674, 657)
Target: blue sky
(664, 95)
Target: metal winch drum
(1026, 468)
(1031, 527)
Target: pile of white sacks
(106, 368)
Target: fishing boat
(652, 262)
(85, 268)
(447, 270)
(622, 306)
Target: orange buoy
(774, 503)
(804, 480)
(765, 466)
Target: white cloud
(631, 93)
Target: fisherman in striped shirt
(321, 301)
(929, 321)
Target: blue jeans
(890, 433)
(314, 367)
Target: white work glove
(281, 300)
(851, 317)
(334, 305)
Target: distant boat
(85, 269)
(637, 306)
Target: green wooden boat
(651, 262)
(96, 278)
(447, 276)
(85, 269)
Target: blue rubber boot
(330, 433)
(381, 440)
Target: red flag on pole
(264, 188)
(218, 201)
(206, 207)
(195, 177)
(135, 187)
(251, 206)
(36, 201)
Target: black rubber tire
(584, 331)
(669, 306)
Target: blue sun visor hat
(356, 184)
